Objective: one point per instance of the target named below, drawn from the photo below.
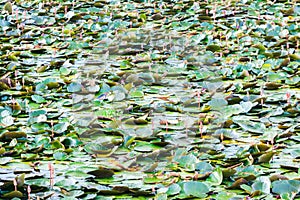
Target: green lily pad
(60, 156)
(216, 177)
(195, 189)
(38, 99)
(74, 87)
(173, 189)
(286, 186)
(5, 160)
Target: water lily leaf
(61, 127)
(276, 77)
(5, 113)
(262, 184)
(246, 105)
(4, 24)
(5, 160)
(188, 162)
(202, 75)
(64, 71)
(8, 7)
(226, 133)
(68, 183)
(295, 153)
(265, 158)
(136, 93)
(116, 96)
(217, 103)
(40, 127)
(69, 14)
(40, 20)
(286, 186)
(161, 196)
(147, 77)
(173, 189)
(288, 196)
(238, 183)
(204, 167)
(38, 99)
(56, 144)
(36, 113)
(102, 173)
(212, 86)
(78, 174)
(232, 110)
(60, 155)
(276, 177)
(93, 88)
(195, 189)
(21, 180)
(100, 150)
(272, 85)
(213, 47)
(247, 188)
(7, 136)
(2, 150)
(144, 147)
(72, 194)
(13, 194)
(29, 156)
(225, 195)
(74, 87)
(39, 182)
(151, 180)
(13, 142)
(254, 127)
(38, 119)
(216, 177)
(6, 121)
(295, 56)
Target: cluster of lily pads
(149, 99)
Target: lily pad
(195, 189)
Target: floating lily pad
(195, 189)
